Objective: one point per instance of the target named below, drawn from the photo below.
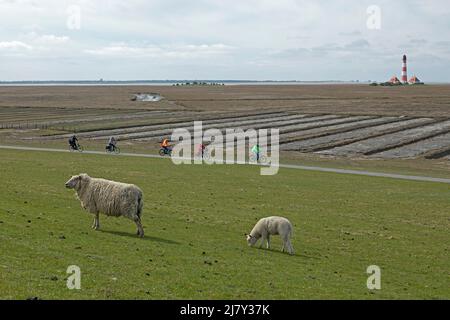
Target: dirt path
(289, 166)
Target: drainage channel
(331, 141)
(419, 148)
(132, 129)
(244, 125)
(390, 141)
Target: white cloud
(162, 51)
(14, 46)
(292, 39)
(50, 39)
(33, 45)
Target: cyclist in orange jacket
(165, 144)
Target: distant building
(404, 70)
(394, 80)
(415, 80)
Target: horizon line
(182, 81)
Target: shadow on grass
(132, 235)
(276, 251)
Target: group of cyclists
(111, 146)
(166, 147)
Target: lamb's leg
(268, 241)
(140, 229)
(263, 240)
(290, 248)
(287, 244)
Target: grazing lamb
(266, 227)
(108, 197)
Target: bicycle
(205, 155)
(262, 158)
(76, 147)
(163, 152)
(112, 149)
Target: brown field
(334, 123)
(431, 100)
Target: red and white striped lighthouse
(404, 70)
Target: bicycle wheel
(262, 159)
(117, 150)
(162, 153)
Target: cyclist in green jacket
(256, 151)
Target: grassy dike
(195, 218)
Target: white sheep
(266, 227)
(108, 197)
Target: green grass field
(195, 218)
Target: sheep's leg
(140, 229)
(268, 241)
(96, 224)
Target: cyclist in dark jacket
(73, 142)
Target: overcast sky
(223, 39)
